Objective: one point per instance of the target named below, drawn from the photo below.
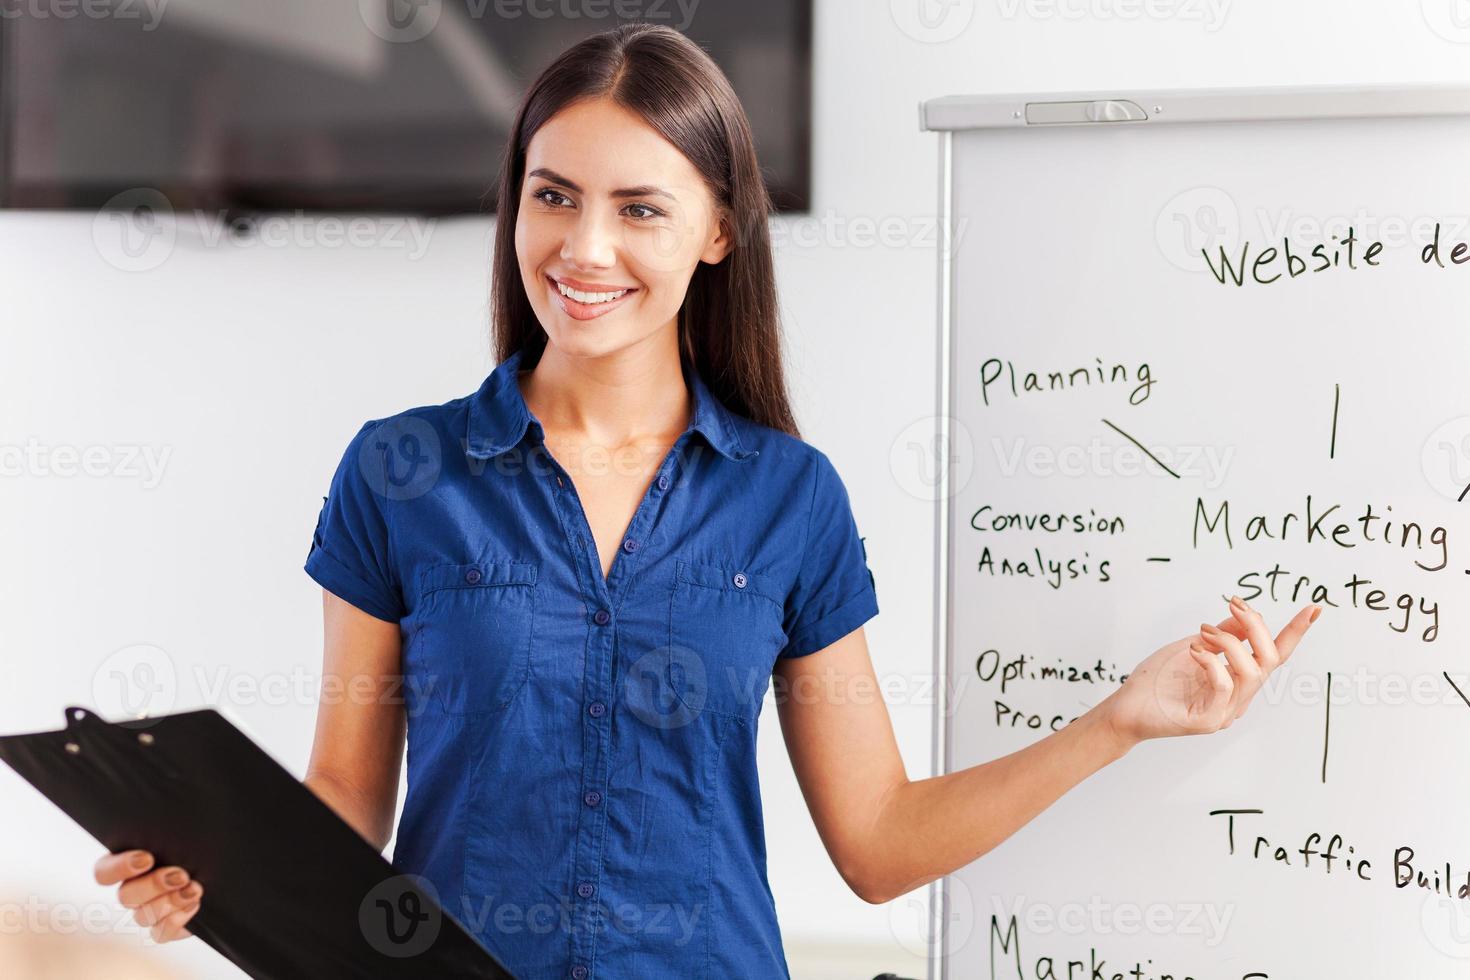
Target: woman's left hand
(1184, 688)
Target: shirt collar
(499, 416)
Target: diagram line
(1141, 446)
(1336, 398)
(1327, 728)
(1457, 688)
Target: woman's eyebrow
(642, 190)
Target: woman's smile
(586, 304)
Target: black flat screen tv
(399, 106)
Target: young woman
(589, 572)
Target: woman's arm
(353, 769)
(360, 723)
(888, 835)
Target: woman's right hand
(1184, 688)
(163, 899)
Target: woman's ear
(720, 244)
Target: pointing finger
(1288, 638)
(1256, 633)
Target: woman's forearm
(927, 828)
(354, 809)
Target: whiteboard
(1076, 250)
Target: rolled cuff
(334, 576)
(833, 626)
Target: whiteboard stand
(1268, 115)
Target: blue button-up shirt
(582, 790)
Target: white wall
(250, 366)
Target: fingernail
(192, 891)
(1209, 628)
(139, 860)
(1195, 647)
(1315, 613)
(1235, 600)
(176, 878)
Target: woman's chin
(582, 338)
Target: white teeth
(582, 297)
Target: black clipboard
(290, 889)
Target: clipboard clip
(79, 719)
(77, 716)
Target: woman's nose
(591, 243)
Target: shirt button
(663, 482)
(740, 580)
(585, 889)
(630, 545)
(579, 972)
(596, 708)
(592, 798)
(601, 617)
(472, 576)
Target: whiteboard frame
(953, 113)
(1008, 111)
(939, 754)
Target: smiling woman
(563, 225)
(586, 649)
(647, 187)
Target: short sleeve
(349, 555)
(834, 592)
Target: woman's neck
(625, 399)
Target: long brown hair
(729, 326)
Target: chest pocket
(724, 634)
(471, 649)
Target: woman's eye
(649, 212)
(556, 199)
(545, 195)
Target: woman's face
(612, 210)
